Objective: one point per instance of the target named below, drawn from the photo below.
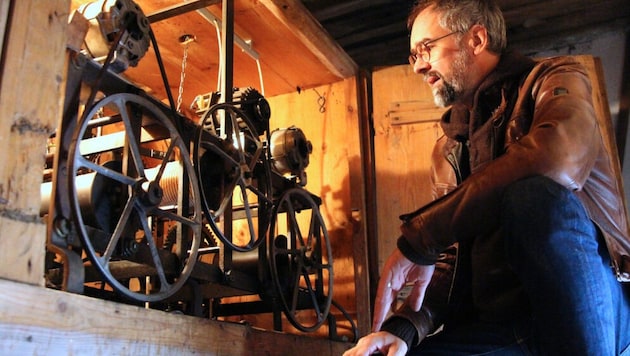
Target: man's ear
(479, 39)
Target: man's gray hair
(461, 15)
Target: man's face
(448, 68)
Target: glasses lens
(426, 55)
(421, 53)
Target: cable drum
(95, 190)
(169, 182)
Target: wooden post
(30, 104)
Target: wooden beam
(179, 9)
(4, 17)
(576, 21)
(30, 91)
(364, 249)
(296, 16)
(344, 9)
(36, 320)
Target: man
(526, 246)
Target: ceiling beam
(294, 15)
(343, 9)
(180, 9)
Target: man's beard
(453, 89)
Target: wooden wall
(405, 129)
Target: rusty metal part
(140, 198)
(233, 166)
(107, 18)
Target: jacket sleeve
(413, 326)
(562, 143)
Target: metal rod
(227, 83)
(227, 56)
(245, 45)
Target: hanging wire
(260, 76)
(220, 45)
(160, 62)
(185, 40)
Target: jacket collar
(490, 96)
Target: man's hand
(397, 272)
(382, 341)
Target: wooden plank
(413, 111)
(4, 18)
(295, 15)
(34, 53)
(402, 152)
(361, 174)
(22, 249)
(577, 22)
(35, 320)
(178, 9)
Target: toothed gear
(256, 107)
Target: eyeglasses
(423, 50)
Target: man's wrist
(402, 328)
(412, 255)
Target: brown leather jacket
(530, 118)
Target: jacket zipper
(453, 161)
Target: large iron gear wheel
(300, 259)
(142, 197)
(235, 177)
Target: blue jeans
(578, 306)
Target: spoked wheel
(124, 186)
(235, 177)
(301, 260)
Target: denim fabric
(578, 306)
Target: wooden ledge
(36, 320)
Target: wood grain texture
(402, 152)
(30, 105)
(40, 321)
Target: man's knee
(538, 192)
(538, 211)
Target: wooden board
(405, 125)
(30, 105)
(4, 17)
(39, 321)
